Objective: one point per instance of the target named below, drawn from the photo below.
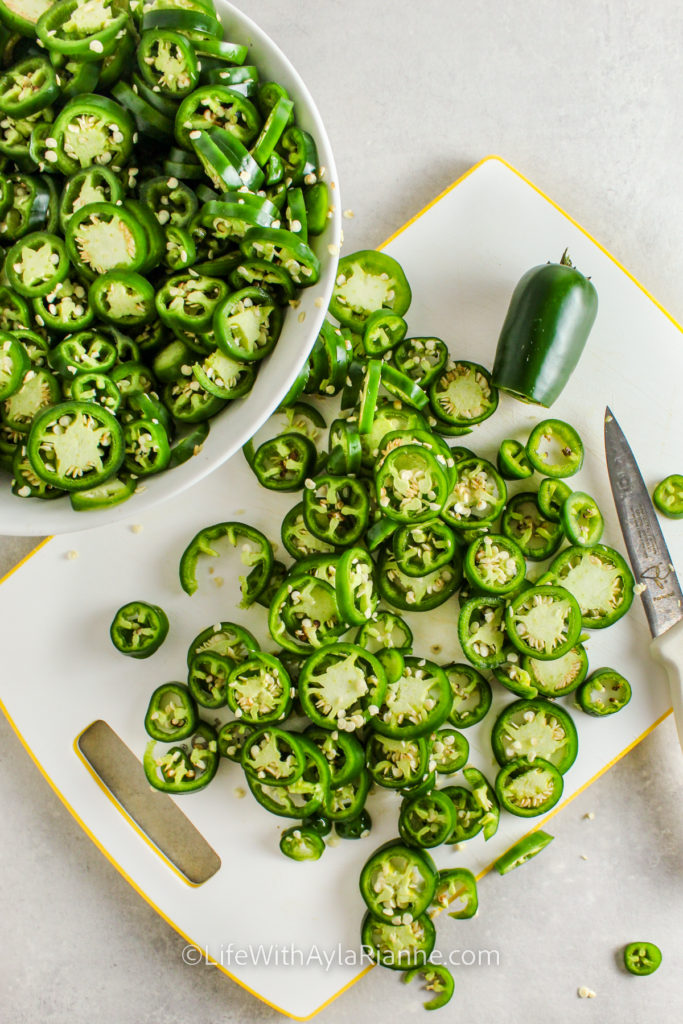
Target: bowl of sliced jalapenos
(170, 248)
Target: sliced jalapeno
(138, 629)
(532, 729)
(555, 449)
(603, 693)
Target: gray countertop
(584, 99)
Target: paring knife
(662, 597)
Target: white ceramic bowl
(241, 419)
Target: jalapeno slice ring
(535, 728)
(75, 445)
(555, 449)
(397, 880)
(544, 622)
(138, 629)
(528, 790)
(603, 693)
(341, 686)
(599, 579)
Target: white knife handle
(668, 649)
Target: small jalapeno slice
(396, 880)
(423, 548)
(273, 756)
(224, 638)
(168, 63)
(457, 885)
(303, 613)
(224, 377)
(468, 814)
(543, 622)
(368, 281)
(478, 496)
(483, 797)
(551, 496)
(298, 539)
(146, 446)
(14, 364)
(403, 387)
(183, 769)
(512, 460)
(75, 445)
(471, 695)
(123, 298)
(642, 957)
(528, 847)
(417, 593)
(411, 485)
(560, 676)
(92, 129)
(138, 629)
(599, 579)
(284, 249)
(302, 843)
(383, 331)
(528, 790)
(421, 359)
(398, 946)
(417, 703)
(450, 751)
(386, 629)
(285, 462)
(207, 677)
(344, 448)
(247, 324)
(555, 449)
(232, 738)
(514, 675)
(494, 564)
(481, 630)
(426, 821)
(535, 728)
(355, 828)
(345, 802)
(36, 264)
(28, 87)
(603, 693)
(397, 763)
(171, 713)
(255, 551)
(336, 509)
(668, 496)
(536, 535)
(259, 689)
(188, 301)
(582, 520)
(355, 585)
(463, 394)
(341, 686)
(343, 752)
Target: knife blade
(649, 555)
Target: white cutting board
(462, 255)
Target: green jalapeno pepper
(551, 312)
